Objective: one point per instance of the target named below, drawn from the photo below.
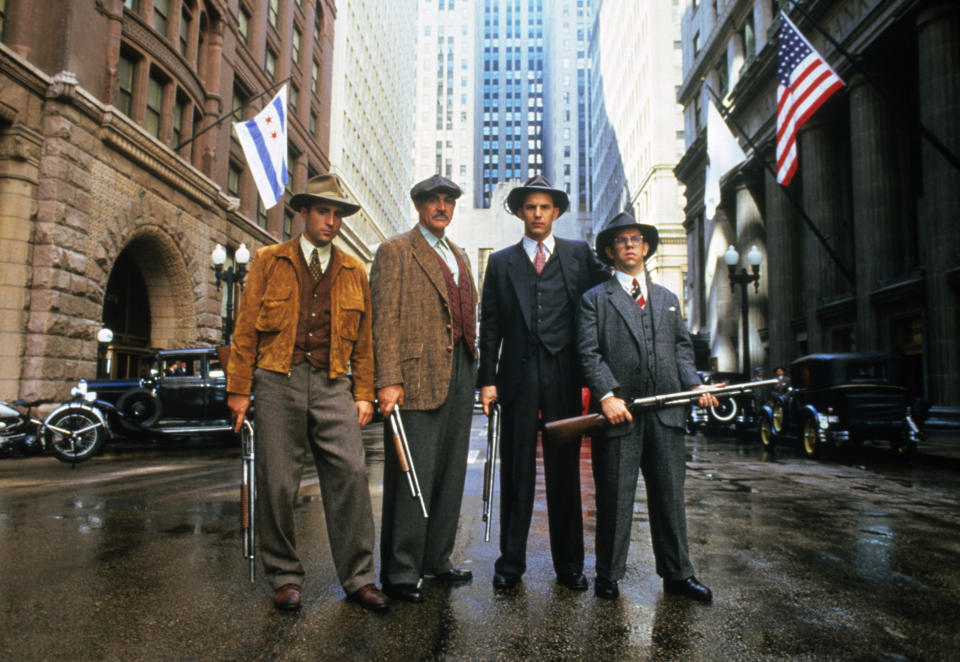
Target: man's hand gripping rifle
(490, 467)
(568, 429)
(405, 458)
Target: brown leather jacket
(267, 317)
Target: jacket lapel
(519, 277)
(426, 257)
(624, 307)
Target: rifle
(248, 491)
(490, 467)
(406, 459)
(568, 429)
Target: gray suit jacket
(613, 351)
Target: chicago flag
(264, 143)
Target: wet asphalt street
(135, 555)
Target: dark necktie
(540, 258)
(315, 269)
(637, 294)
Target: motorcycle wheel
(85, 439)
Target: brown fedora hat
(625, 220)
(328, 188)
(537, 184)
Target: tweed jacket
(267, 317)
(614, 353)
(413, 335)
(507, 322)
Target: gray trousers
(659, 452)
(411, 546)
(308, 410)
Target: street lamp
(742, 278)
(104, 338)
(233, 277)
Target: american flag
(804, 82)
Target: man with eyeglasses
(633, 342)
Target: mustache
(441, 214)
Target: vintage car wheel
(77, 446)
(138, 409)
(766, 433)
(808, 439)
(779, 412)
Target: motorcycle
(73, 432)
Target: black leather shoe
(405, 592)
(575, 581)
(606, 589)
(287, 597)
(503, 581)
(456, 576)
(688, 588)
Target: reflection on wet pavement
(136, 555)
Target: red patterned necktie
(637, 294)
(540, 258)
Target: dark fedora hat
(625, 220)
(537, 184)
(327, 188)
(433, 185)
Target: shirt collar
(530, 246)
(433, 240)
(323, 252)
(626, 281)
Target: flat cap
(433, 185)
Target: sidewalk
(940, 444)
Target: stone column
(783, 273)
(750, 233)
(821, 200)
(19, 29)
(877, 199)
(938, 46)
(213, 105)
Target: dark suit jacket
(506, 320)
(612, 348)
(412, 335)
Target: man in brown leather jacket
(304, 319)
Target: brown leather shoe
(287, 597)
(370, 597)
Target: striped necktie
(637, 294)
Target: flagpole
(230, 114)
(924, 131)
(727, 115)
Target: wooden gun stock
(570, 429)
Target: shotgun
(405, 458)
(248, 495)
(490, 467)
(569, 429)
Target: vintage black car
(734, 414)
(842, 400)
(183, 395)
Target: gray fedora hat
(432, 185)
(537, 184)
(328, 188)
(624, 220)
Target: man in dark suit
(425, 350)
(528, 362)
(633, 342)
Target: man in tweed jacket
(424, 328)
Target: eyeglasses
(630, 240)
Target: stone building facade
(108, 216)
(883, 198)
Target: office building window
(261, 214)
(287, 224)
(748, 37)
(184, 41)
(132, 5)
(315, 77)
(297, 38)
(154, 106)
(161, 14)
(125, 68)
(243, 23)
(312, 127)
(273, 12)
(270, 63)
(179, 112)
(233, 179)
